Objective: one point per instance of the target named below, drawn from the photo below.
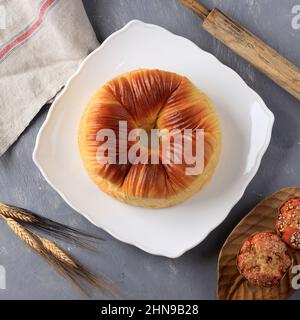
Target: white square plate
(246, 126)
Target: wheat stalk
(57, 252)
(25, 235)
(75, 270)
(35, 222)
(54, 255)
(17, 214)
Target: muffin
(291, 236)
(288, 223)
(263, 259)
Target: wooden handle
(254, 50)
(196, 7)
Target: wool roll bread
(148, 100)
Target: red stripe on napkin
(23, 37)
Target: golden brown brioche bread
(149, 99)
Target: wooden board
(233, 286)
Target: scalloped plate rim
(154, 251)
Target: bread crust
(149, 99)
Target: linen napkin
(41, 46)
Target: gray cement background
(138, 274)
